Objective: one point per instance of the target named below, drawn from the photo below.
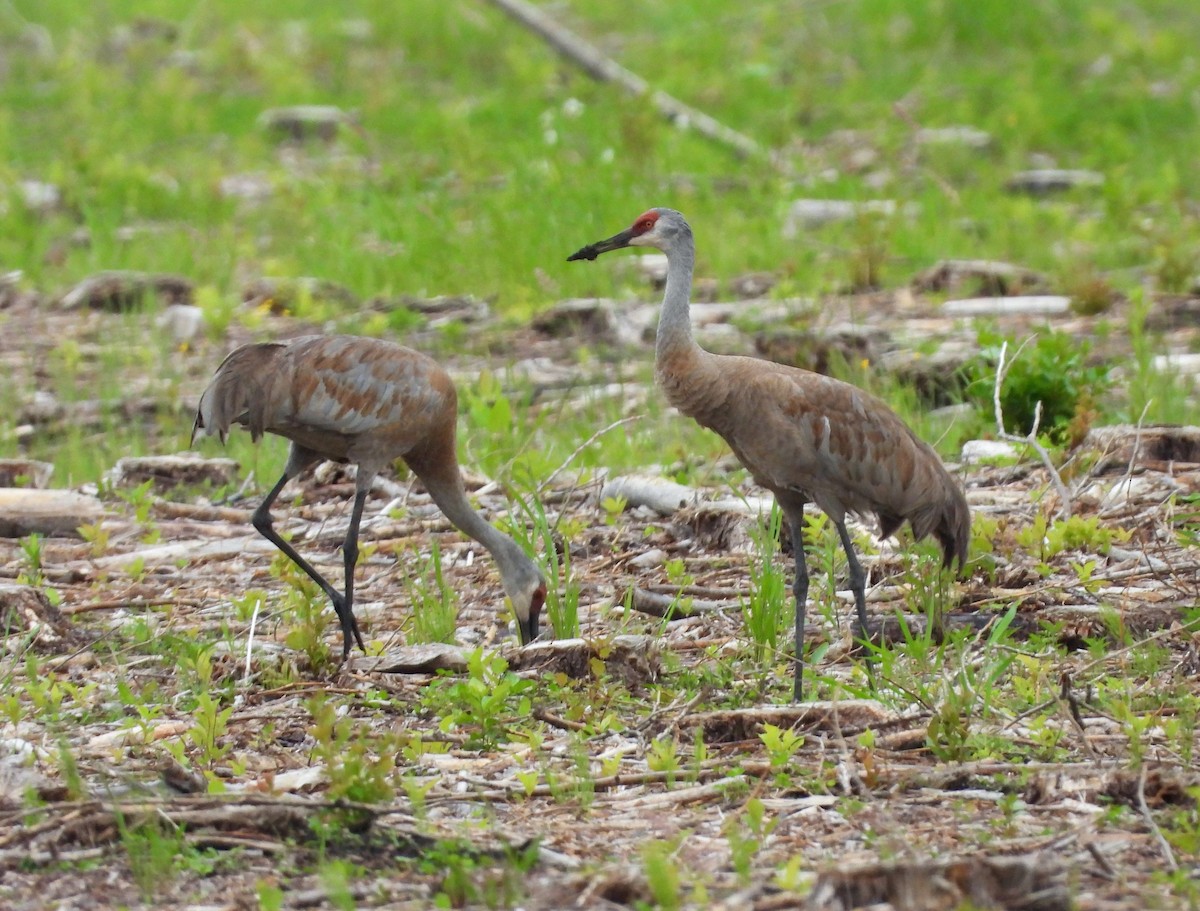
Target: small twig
(126, 604)
(238, 494)
(684, 711)
(715, 769)
(1188, 627)
(1137, 445)
(584, 445)
(213, 840)
(1168, 854)
(1106, 869)
(1031, 439)
(696, 591)
(564, 724)
(250, 637)
(1068, 697)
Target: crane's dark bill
(588, 252)
(616, 242)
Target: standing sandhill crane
(365, 401)
(803, 436)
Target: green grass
(453, 165)
(470, 174)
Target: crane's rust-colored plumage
(803, 436)
(365, 401)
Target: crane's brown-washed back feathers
(238, 392)
(839, 446)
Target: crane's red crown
(644, 222)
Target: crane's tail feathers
(953, 530)
(949, 522)
(237, 393)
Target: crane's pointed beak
(527, 630)
(591, 251)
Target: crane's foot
(349, 623)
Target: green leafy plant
(97, 536)
(746, 833)
(764, 613)
(484, 703)
(664, 757)
(209, 726)
(613, 508)
(1056, 369)
(782, 744)
(141, 498)
(1048, 539)
(965, 694)
(562, 596)
(663, 875)
(31, 549)
(360, 762)
(153, 849)
(468, 879)
(434, 601)
(303, 609)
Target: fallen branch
(1031, 439)
(1144, 809)
(604, 69)
(674, 607)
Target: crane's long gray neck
(674, 321)
(457, 508)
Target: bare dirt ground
(875, 821)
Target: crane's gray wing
(356, 386)
(841, 446)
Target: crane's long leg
(795, 519)
(264, 526)
(350, 554)
(858, 584)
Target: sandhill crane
(803, 436)
(370, 402)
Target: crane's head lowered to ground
(528, 595)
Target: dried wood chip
(121, 290)
(281, 295)
(1044, 181)
(24, 608)
(417, 659)
(1030, 883)
(631, 659)
(674, 607)
(110, 740)
(192, 551)
(1120, 445)
(305, 121)
(983, 276)
(24, 511)
(737, 725)
(172, 471)
(25, 473)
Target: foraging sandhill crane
(803, 436)
(366, 401)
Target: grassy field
(475, 161)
